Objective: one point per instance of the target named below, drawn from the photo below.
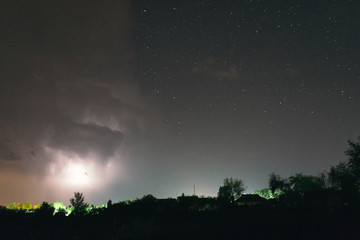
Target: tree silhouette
(340, 176)
(276, 182)
(301, 183)
(353, 153)
(109, 203)
(231, 190)
(45, 210)
(78, 202)
(295, 189)
(346, 175)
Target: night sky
(118, 99)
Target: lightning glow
(70, 171)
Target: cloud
(82, 138)
(68, 84)
(7, 154)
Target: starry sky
(118, 99)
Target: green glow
(88, 209)
(11, 206)
(128, 202)
(101, 206)
(28, 207)
(268, 194)
(60, 207)
(69, 210)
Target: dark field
(238, 223)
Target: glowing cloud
(72, 172)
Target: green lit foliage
(128, 202)
(89, 208)
(19, 206)
(70, 209)
(268, 194)
(56, 208)
(59, 207)
(11, 206)
(277, 193)
(62, 212)
(101, 206)
(99, 209)
(27, 206)
(94, 210)
(231, 190)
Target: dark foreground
(242, 223)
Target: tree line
(338, 187)
(340, 184)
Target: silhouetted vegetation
(78, 203)
(340, 186)
(300, 206)
(231, 190)
(45, 210)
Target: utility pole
(194, 190)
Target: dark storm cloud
(82, 138)
(7, 154)
(67, 80)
